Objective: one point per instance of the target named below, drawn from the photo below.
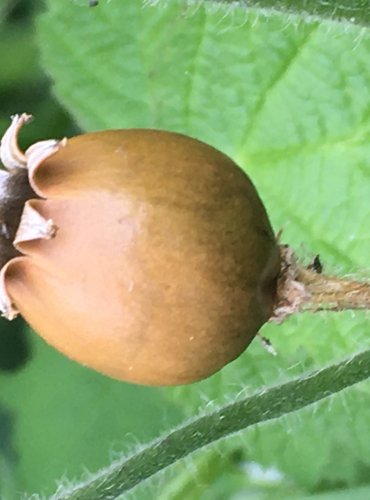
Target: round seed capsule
(143, 254)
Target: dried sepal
(33, 226)
(41, 151)
(4, 178)
(10, 154)
(12, 157)
(20, 219)
(7, 308)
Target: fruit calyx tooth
(10, 154)
(34, 226)
(4, 178)
(42, 150)
(7, 308)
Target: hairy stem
(203, 430)
(352, 11)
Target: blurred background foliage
(58, 419)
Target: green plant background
(289, 100)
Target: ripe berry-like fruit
(143, 254)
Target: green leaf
(261, 407)
(20, 51)
(289, 101)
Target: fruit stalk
(330, 293)
(303, 288)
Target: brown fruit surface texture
(164, 264)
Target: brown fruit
(143, 254)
